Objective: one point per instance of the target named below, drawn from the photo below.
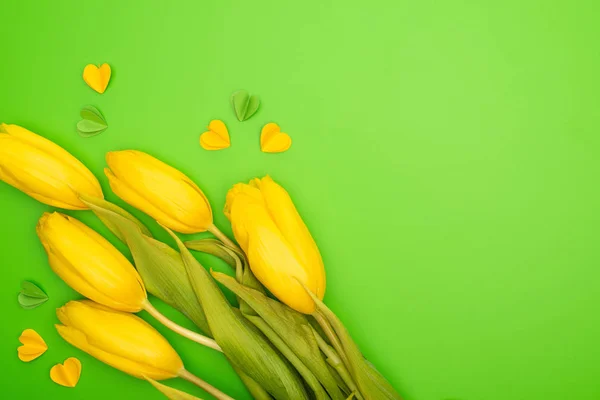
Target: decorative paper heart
(217, 136)
(68, 373)
(31, 296)
(33, 345)
(272, 140)
(97, 78)
(244, 105)
(93, 122)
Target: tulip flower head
(121, 340)
(279, 247)
(90, 264)
(44, 170)
(159, 190)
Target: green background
(445, 158)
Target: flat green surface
(445, 157)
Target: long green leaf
(309, 377)
(289, 325)
(257, 391)
(213, 247)
(96, 204)
(235, 259)
(242, 345)
(371, 384)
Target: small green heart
(244, 105)
(92, 123)
(31, 295)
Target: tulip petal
(26, 182)
(132, 197)
(292, 227)
(241, 189)
(159, 190)
(44, 170)
(272, 259)
(51, 148)
(119, 339)
(99, 272)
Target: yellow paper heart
(217, 136)
(272, 140)
(33, 345)
(97, 78)
(68, 373)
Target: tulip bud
(121, 340)
(90, 264)
(44, 170)
(280, 249)
(159, 190)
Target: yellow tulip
(121, 340)
(159, 190)
(280, 249)
(44, 170)
(90, 264)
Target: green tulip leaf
(31, 296)
(371, 384)
(213, 247)
(291, 333)
(244, 105)
(96, 203)
(92, 122)
(257, 391)
(171, 393)
(236, 259)
(245, 347)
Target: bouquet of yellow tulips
(280, 337)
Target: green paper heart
(31, 296)
(244, 105)
(92, 123)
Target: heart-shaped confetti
(217, 136)
(31, 296)
(244, 105)
(33, 345)
(97, 78)
(272, 140)
(92, 122)
(68, 373)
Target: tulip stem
(330, 333)
(334, 360)
(223, 238)
(194, 336)
(188, 376)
